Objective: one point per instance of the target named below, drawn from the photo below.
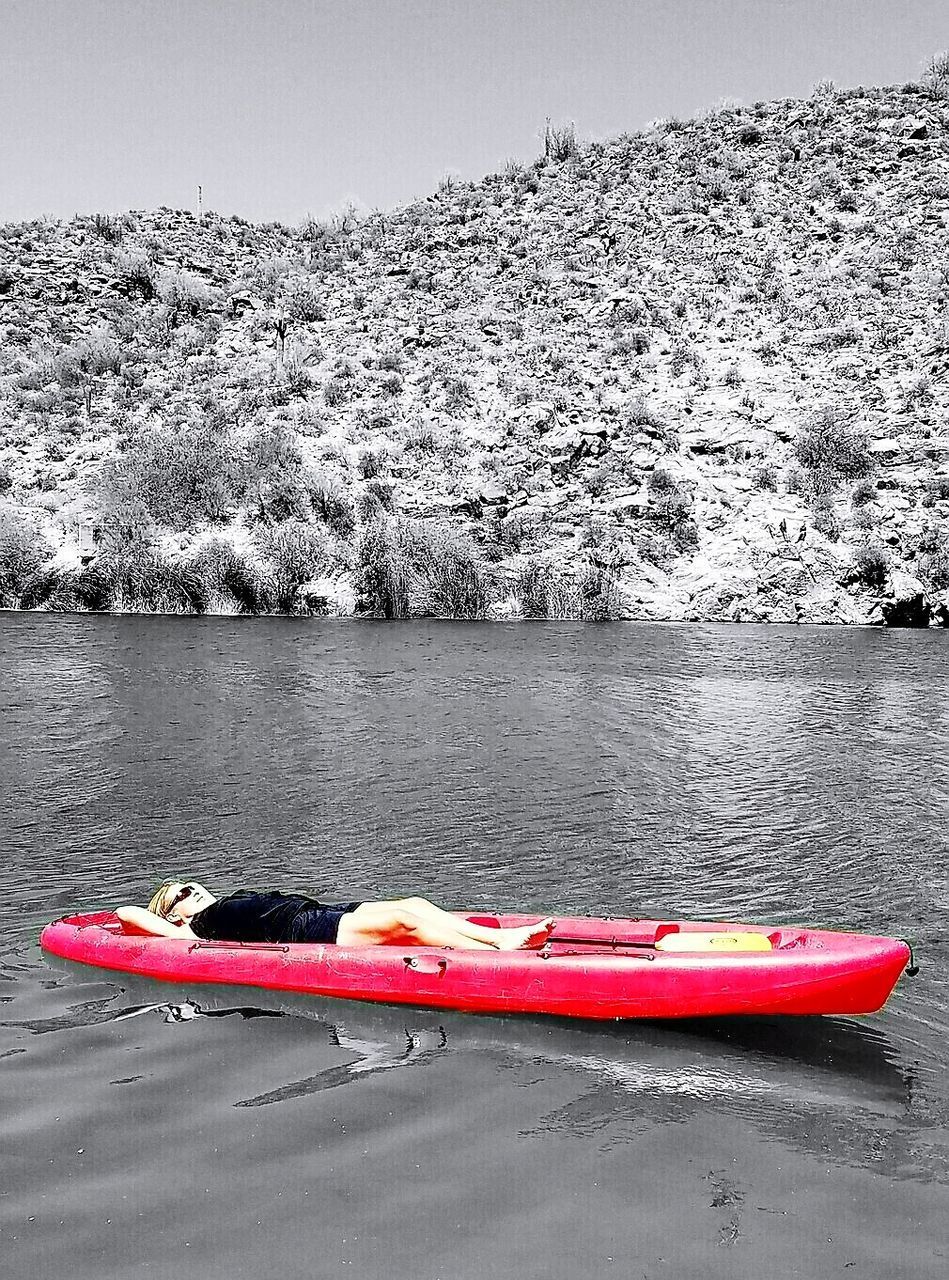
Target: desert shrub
(264, 275)
(670, 511)
(418, 568)
(511, 534)
(184, 294)
(682, 357)
(458, 395)
(181, 475)
(639, 415)
(934, 564)
(384, 492)
(767, 351)
(863, 520)
(919, 391)
(605, 474)
(42, 587)
(421, 438)
(661, 482)
(123, 519)
(33, 378)
(391, 361)
(929, 547)
(96, 354)
(272, 477)
(825, 520)
(297, 381)
(796, 481)
(23, 550)
(871, 565)
(231, 578)
(839, 335)
(712, 185)
(586, 593)
(732, 376)
(936, 76)
(106, 228)
(135, 275)
(420, 280)
(936, 490)
(749, 135)
(303, 302)
(295, 552)
(765, 477)
(832, 450)
(376, 497)
(370, 463)
(335, 392)
(633, 342)
(560, 142)
(138, 579)
(6, 481)
(862, 493)
(190, 340)
(331, 503)
(91, 589)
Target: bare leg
(392, 923)
(504, 939)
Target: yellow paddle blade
(714, 942)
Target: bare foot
(529, 937)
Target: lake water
(772, 774)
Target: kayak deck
(590, 968)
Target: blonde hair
(160, 902)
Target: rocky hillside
(697, 372)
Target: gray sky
(284, 107)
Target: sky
(284, 108)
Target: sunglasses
(180, 896)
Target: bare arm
(157, 926)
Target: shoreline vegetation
(696, 373)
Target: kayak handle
(414, 962)
(912, 968)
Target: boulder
(238, 303)
(884, 450)
(828, 605)
(492, 494)
(633, 503)
(912, 127)
(905, 603)
(563, 438)
(540, 414)
(941, 609)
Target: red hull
(604, 969)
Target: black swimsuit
(246, 916)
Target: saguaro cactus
(281, 324)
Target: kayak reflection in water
(185, 909)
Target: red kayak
(602, 969)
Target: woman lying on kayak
(185, 909)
